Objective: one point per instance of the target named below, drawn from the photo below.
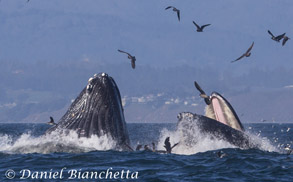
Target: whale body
(214, 128)
(220, 121)
(97, 111)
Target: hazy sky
(93, 30)
(45, 36)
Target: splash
(55, 142)
(192, 140)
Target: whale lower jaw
(216, 129)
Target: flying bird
(285, 39)
(246, 54)
(278, 38)
(51, 122)
(132, 58)
(200, 28)
(175, 10)
(202, 93)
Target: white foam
(192, 141)
(191, 145)
(55, 142)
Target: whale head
(221, 110)
(97, 111)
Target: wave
(191, 141)
(54, 142)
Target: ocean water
(28, 155)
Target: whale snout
(104, 74)
(103, 77)
(185, 116)
(97, 79)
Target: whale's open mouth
(221, 110)
(219, 113)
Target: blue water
(23, 147)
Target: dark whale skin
(217, 129)
(97, 111)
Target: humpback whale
(214, 128)
(218, 108)
(97, 111)
(220, 120)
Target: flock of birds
(200, 29)
(203, 95)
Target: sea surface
(28, 155)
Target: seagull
(263, 120)
(289, 150)
(285, 39)
(146, 148)
(246, 54)
(278, 38)
(200, 28)
(176, 10)
(202, 93)
(168, 145)
(138, 147)
(154, 146)
(51, 122)
(132, 58)
(221, 154)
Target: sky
(93, 30)
(42, 33)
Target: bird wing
(178, 14)
(133, 63)
(169, 7)
(196, 25)
(167, 141)
(285, 40)
(249, 49)
(279, 37)
(202, 93)
(238, 58)
(202, 27)
(175, 145)
(124, 52)
(51, 119)
(271, 33)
